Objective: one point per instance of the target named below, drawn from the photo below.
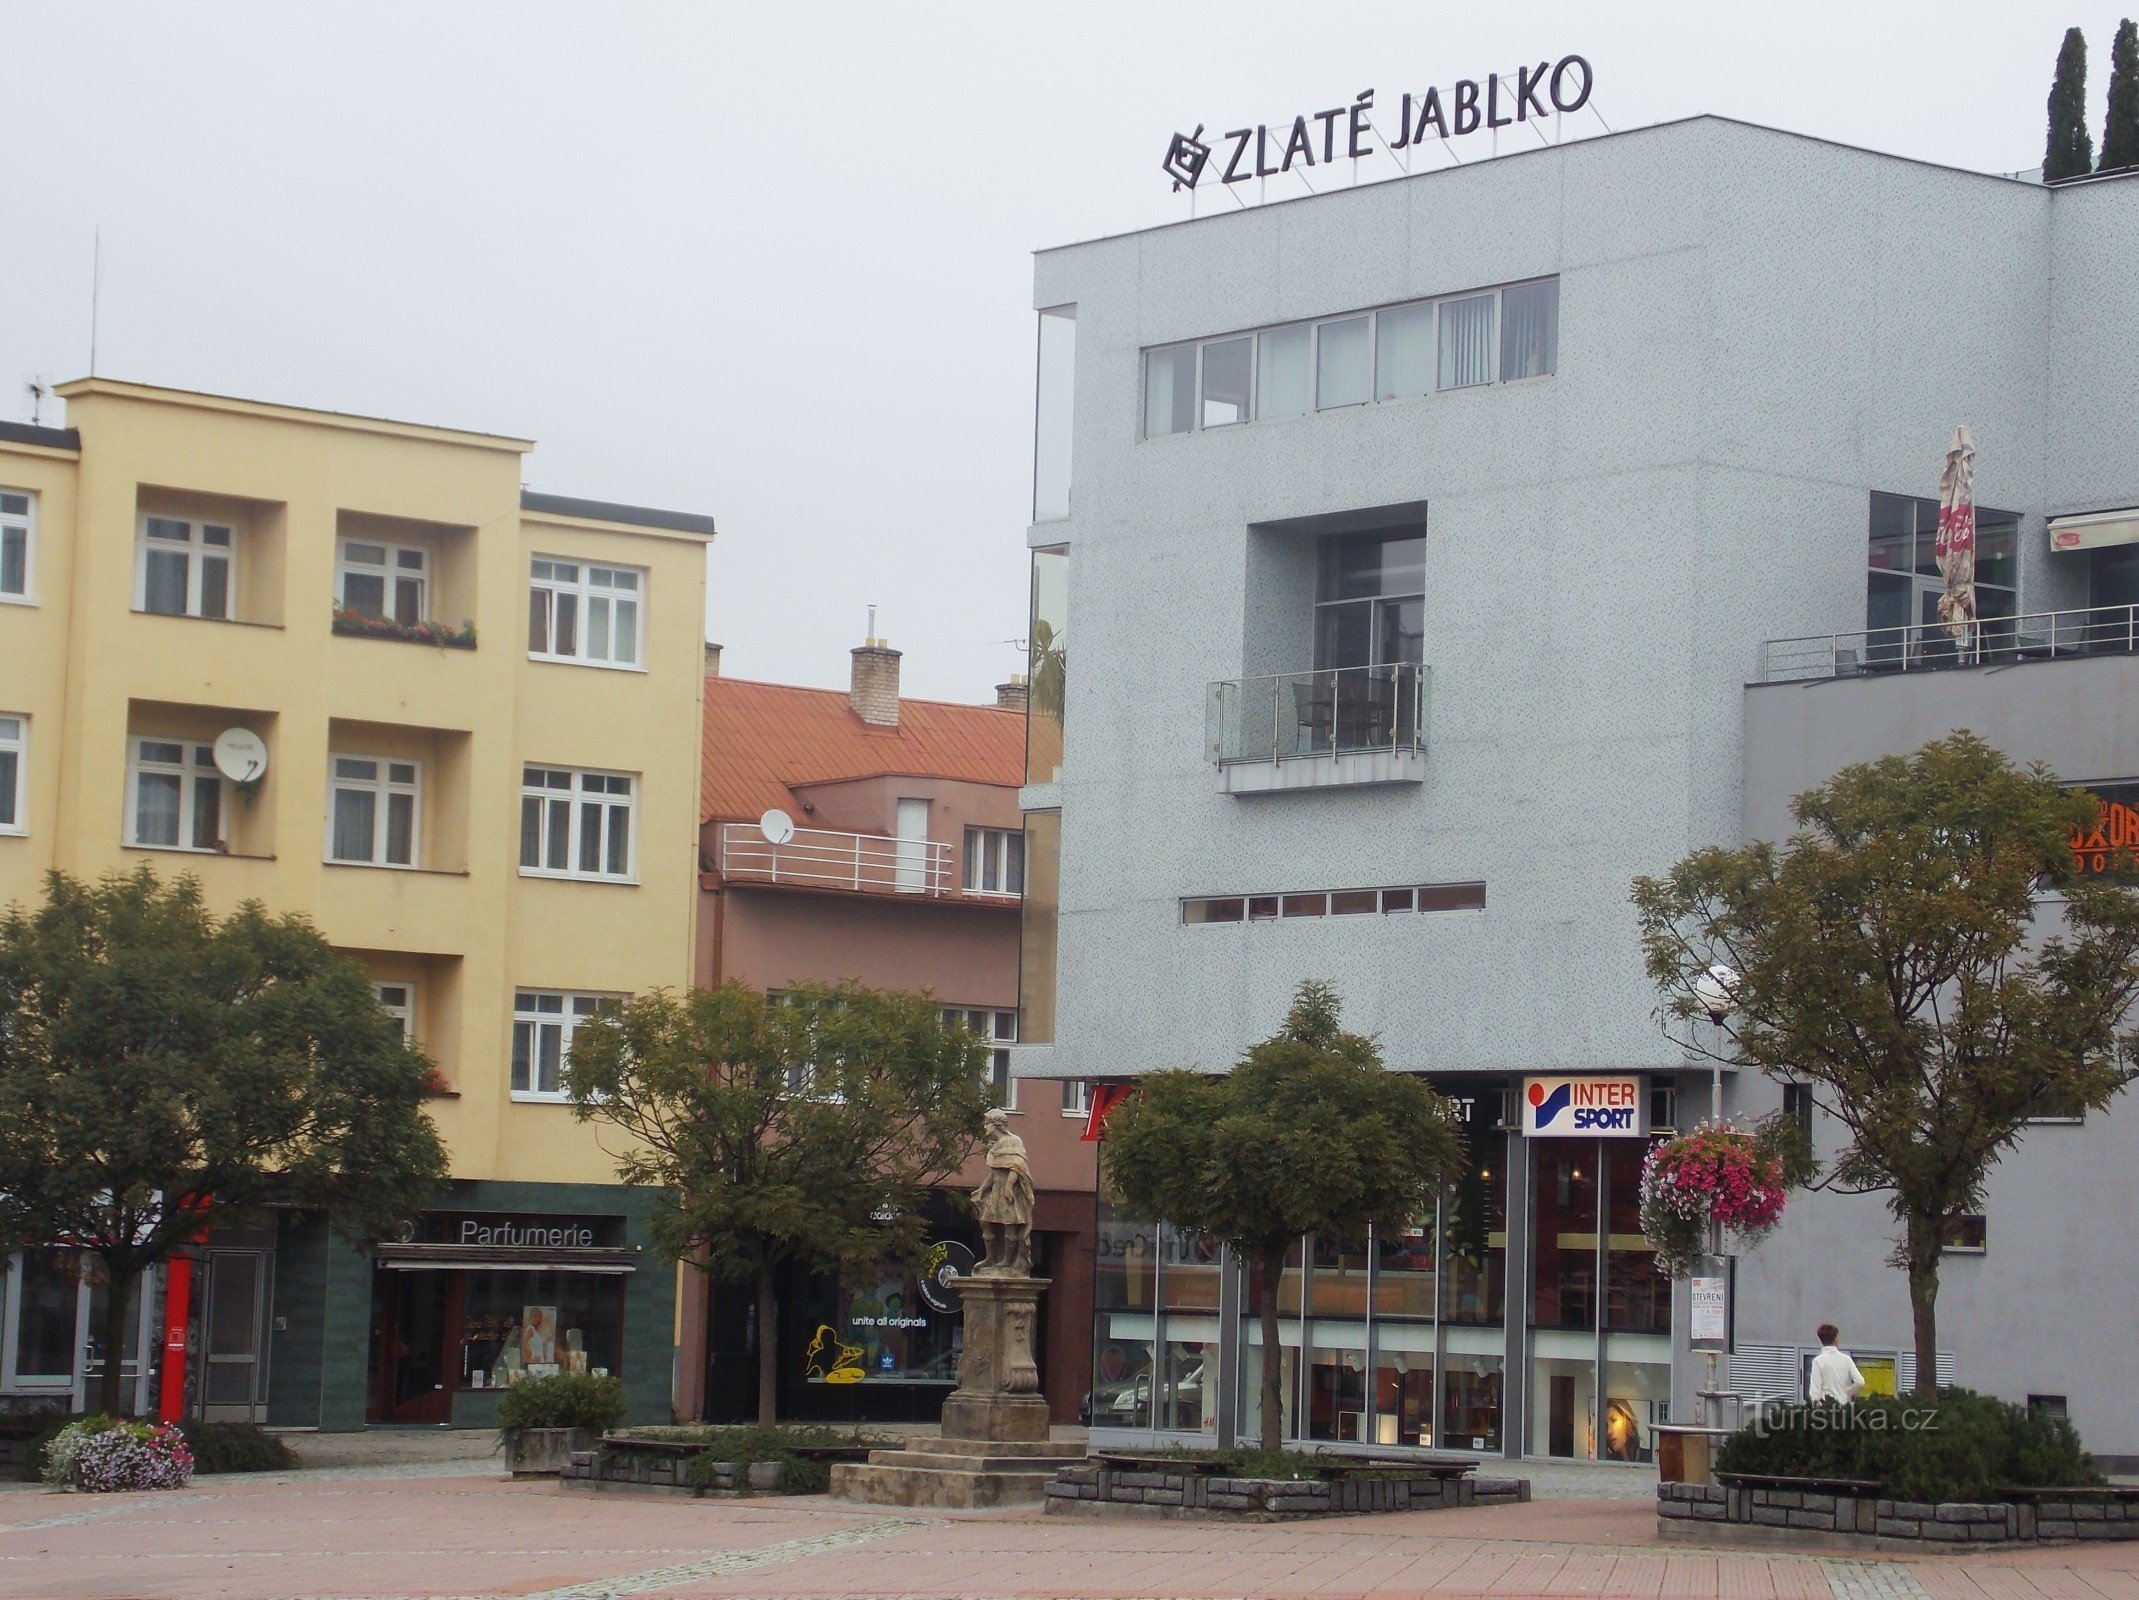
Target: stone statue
(1003, 1202)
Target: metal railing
(821, 858)
(1930, 647)
(1334, 711)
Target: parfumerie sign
(546, 1236)
(1349, 132)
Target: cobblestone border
(1093, 1484)
(2044, 1517)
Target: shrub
(745, 1447)
(236, 1447)
(30, 1465)
(100, 1455)
(563, 1400)
(1967, 1447)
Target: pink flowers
(1714, 1174)
(100, 1455)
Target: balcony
(845, 863)
(1931, 647)
(1340, 727)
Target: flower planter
(672, 1466)
(545, 1452)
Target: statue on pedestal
(1003, 1203)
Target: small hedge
(236, 1447)
(746, 1447)
(1966, 1447)
(563, 1400)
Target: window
(2048, 1405)
(580, 612)
(398, 1000)
(1663, 1106)
(1387, 354)
(372, 811)
(576, 824)
(995, 861)
(1053, 414)
(1077, 1098)
(1968, 1235)
(1335, 903)
(1903, 583)
(998, 1030)
(1529, 330)
(17, 530)
(14, 754)
(174, 796)
(543, 1022)
(1370, 599)
(388, 582)
(1797, 1106)
(184, 568)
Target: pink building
(861, 835)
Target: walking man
(1834, 1376)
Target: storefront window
(872, 1325)
(1405, 1285)
(1475, 1221)
(1563, 1393)
(1471, 1390)
(1563, 1202)
(1637, 1395)
(1337, 1360)
(45, 1302)
(1188, 1354)
(1637, 1295)
(531, 1324)
(1124, 1321)
(1289, 1296)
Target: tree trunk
(1923, 1254)
(1273, 1407)
(768, 1350)
(118, 1300)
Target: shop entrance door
(413, 1313)
(234, 1336)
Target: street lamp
(1716, 991)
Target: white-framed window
(1077, 1098)
(174, 795)
(1389, 353)
(543, 1023)
(398, 1000)
(185, 568)
(995, 861)
(388, 582)
(576, 824)
(18, 543)
(14, 772)
(998, 1030)
(374, 808)
(577, 611)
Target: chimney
(712, 659)
(875, 695)
(1011, 696)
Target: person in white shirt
(1834, 1376)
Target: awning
(503, 1258)
(2095, 530)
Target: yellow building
(452, 718)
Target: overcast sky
(771, 261)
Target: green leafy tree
(164, 1072)
(802, 1129)
(2069, 152)
(2120, 128)
(1889, 959)
(1309, 1134)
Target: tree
(164, 1072)
(2120, 127)
(1308, 1134)
(1889, 959)
(805, 1128)
(2069, 152)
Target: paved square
(459, 1531)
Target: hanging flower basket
(1715, 1174)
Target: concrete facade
(1757, 331)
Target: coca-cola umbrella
(1956, 545)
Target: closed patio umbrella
(1956, 545)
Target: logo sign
(1585, 1108)
(2114, 839)
(1347, 133)
(1710, 1306)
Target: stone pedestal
(994, 1447)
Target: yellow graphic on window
(828, 1361)
(1879, 1374)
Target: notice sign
(1709, 1313)
(1586, 1108)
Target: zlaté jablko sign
(1322, 137)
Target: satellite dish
(241, 755)
(777, 826)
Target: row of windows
(574, 823)
(1335, 903)
(1398, 351)
(188, 567)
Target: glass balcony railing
(1336, 711)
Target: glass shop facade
(1524, 1316)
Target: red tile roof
(763, 739)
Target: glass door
(233, 1343)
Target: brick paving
(460, 1531)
